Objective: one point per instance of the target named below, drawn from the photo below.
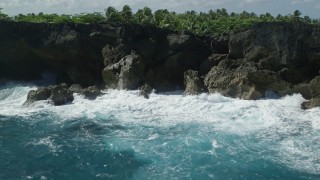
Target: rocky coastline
(269, 58)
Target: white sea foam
(279, 123)
(48, 142)
(233, 115)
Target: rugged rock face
(244, 80)
(57, 94)
(73, 51)
(166, 55)
(193, 83)
(126, 74)
(78, 53)
(210, 62)
(314, 88)
(282, 58)
(60, 94)
(277, 57)
(91, 92)
(291, 48)
(76, 88)
(42, 93)
(145, 90)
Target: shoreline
(278, 57)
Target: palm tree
(144, 16)
(2, 15)
(307, 19)
(112, 14)
(160, 18)
(126, 13)
(296, 16)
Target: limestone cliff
(282, 58)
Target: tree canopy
(211, 23)
(3, 16)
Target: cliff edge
(268, 60)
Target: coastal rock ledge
(281, 58)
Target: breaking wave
(122, 135)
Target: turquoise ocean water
(123, 136)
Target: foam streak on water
(121, 135)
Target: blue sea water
(169, 136)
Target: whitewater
(121, 135)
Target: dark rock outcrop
(291, 47)
(57, 94)
(42, 93)
(128, 73)
(314, 88)
(91, 92)
(60, 94)
(166, 55)
(243, 80)
(78, 53)
(193, 83)
(76, 88)
(210, 62)
(145, 90)
(269, 58)
(72, 51)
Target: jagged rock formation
(57, 94)
(279, 57)
(314, 89)
(91, 92)
(61, 94)
(282, 58)
(145, 90)
(194, 85)
(126, 74)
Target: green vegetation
(4, 16)
(212, 23)
(55, 18)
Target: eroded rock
(42, 93)
(193, 83)
(128, 73)
(61, 95)
(314, 88)
(91, 92)
(76, 88)
(145, 90)
(245, 81)
(57, 94)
